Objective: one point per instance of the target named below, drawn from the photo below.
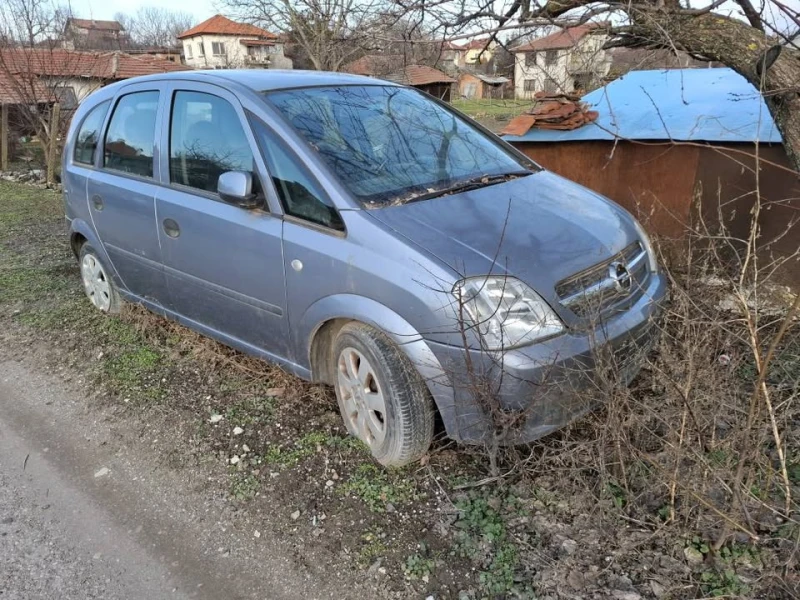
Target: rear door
(224, 264)
(121, 192)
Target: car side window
(299, 193)
(89, 133)
(131, 134)
(206, 140)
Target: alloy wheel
(364, 405)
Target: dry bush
(706, 437)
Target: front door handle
(98, 202)
(171, 228)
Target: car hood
(540, 229)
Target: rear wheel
(97, 284)
(383, 400)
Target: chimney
(114, 64)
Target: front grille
(601, 288)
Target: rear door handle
(98, 202)
(171, 228)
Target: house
(478, 51)
(450, 57)
(73, 73)
(219, 43)
(474, 84)
(569, 59)
(666, 140)
(88, 34)
(170, 53)
(427, 79)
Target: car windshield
(391, 144)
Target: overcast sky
(106, 9)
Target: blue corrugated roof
(711, 105)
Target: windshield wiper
(469, 184)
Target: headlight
(505, 312)
(652, 263)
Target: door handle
(171, 228)
(98, 202)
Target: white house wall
(587, 56)
(235, 53)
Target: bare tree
(330, 33)
(752, 39)
(155, 26)
(38, 76)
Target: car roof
(261, 80)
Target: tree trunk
(742, 48)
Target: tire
(97, 284)
(402, 432)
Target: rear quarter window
(89, 134)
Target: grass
(484, 537)
(378, 488)
(308, 445)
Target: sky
(106, 9)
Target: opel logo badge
(621, 276)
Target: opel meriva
(362, 234)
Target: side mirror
(236, 187)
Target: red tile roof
(19, 91)
(566, 38)
(72, 63)
(224, 26)
(420, 75)
(97, 25)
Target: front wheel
(383, 400)
(97, 284)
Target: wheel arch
(80, 232)
(325, 318)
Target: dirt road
(83, 517)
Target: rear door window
(89, 133)
(131, 134)
(206, 140)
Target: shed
(472, 84)
(427, 79)
(664, 138)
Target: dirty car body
(271, 209)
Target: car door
(317, 252)
(223, 263)
(121, 192)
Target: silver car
(361, 234)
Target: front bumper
(529, 392)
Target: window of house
(131, 134)
(551, 57)
(583, 81)
(218, 48)
(529, 85)
(299, 193)
(551, 86)
(89, 133)
(206, 139)
(530, 59)
(200, 50)
(251, 51)
(188, 51)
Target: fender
(381, 317)
(78, 225)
